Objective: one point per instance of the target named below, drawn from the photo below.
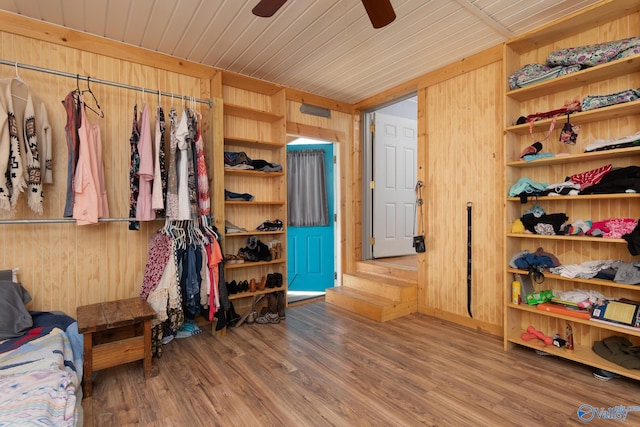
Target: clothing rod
(90, 79)
(65, 220)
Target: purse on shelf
(569, 133)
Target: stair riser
(386, 271)
(354, 305)
(371, 311)
(373, 286)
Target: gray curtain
(307, 195)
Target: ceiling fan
(380, 11)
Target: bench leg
(147, 349)
(87, 376)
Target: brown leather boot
(252, 285)
(281, 304)
(263, 283)
(272, 303)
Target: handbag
(569, 133)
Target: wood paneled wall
(64, 265)
(461, 161)
(464, 164)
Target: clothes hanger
(22, 82)
(100, 113)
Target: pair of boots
(226, 317)
(275, 309)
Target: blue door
(310, 250)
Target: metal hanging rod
(64, 220)
(209, 102)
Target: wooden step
(369, 305)
(388, 287)
(386, 269)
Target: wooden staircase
(378, 291)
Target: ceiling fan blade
(267, 8)
(380, 12)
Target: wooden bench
(115, 333)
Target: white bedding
(40, 381)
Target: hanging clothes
(72, 109)
(163, 296)
(159, 254)
(172, 170)
(25, 145)
(144, 208)
(192, 166)
(90, 195)
(159, 192)
(214, 258)
(182, 132)
(134, 179)
(204, 199)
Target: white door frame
(367, 172)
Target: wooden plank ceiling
(325, 47)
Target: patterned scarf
(172, 172)
(204, 202)
(191, 163)
(134, 178)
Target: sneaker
(268, 318)
(603, 375)
(187, 330)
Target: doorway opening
(311, 230)
(389, 180)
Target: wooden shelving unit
(254, 123)
(611, 18)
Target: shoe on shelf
(262, 284)
(232, 287)
(253, 286)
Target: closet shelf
(596, 282)
(254, 203)
(252, 143)
(601, 325)
(573, 24)
(577, 158)
(605, 113)
(613, 196)
(260, 292)
(248, 264)
(250, 84)
(578, 79)
(564, 237)
(254, 233)
(246, 172)
(580, 354)
(250, 113)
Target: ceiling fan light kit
(380, 12)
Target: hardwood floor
(323, 366)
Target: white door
(394, 175)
